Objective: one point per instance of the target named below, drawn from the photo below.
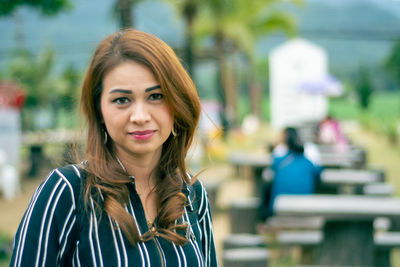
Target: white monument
(12, 98)
(293, 64)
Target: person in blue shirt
(293, 173)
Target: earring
(105, 137)
(173, 132)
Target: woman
(131, 203)
(293, 174)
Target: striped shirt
(50, 235)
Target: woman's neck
(143, 167)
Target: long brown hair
(105, 174)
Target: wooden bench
(347, 181)
(309, 240)
(212, 188)
(354, 157)
(250, 166)
(243, 215)
(246, 257)
(282, 223)
(378, 189)
(303, 223)
(243, 241)
(306, 240)
(348, 223)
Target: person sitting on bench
(293, 172)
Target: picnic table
(348, 180)
(348, 229)
(335, 181)
(250, 166)
(352, 157)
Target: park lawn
(384, 106)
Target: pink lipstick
(143, 135)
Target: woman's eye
(121, 100)
(156, 96)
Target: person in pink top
(329, 132)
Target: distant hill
(75, 34)
(353, 32)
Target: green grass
(384, 105)
(5, 239)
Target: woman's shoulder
(196, 186)
(69, 175)
(198, 195)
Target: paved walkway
(231, 187)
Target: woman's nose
(139, 113)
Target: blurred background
(259, 66)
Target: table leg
(382, 257)
(348, 243)
(257, 181)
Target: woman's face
(134, 111)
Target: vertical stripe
(66, 223)
(140, 243)
(70, 187)
(184, 257)
(91, 239)
(26, 221)
(162, 252)
(115, 241)
(123, 245)
(50, 221)
(78, 173)
(96, 231)
(177, 255)
(64, 243)
(43, 222)
(194, 245)
(77, 254)
(202, 199)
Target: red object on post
(12, 94)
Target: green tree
(235, 26)
(123, 11)
(364, 88)
(256, 19)
(188, 9)
(35, 74)
(46, 7)
(392, 63)
(68, 88)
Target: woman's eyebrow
(152, 88)
(124, 91)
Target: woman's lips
(143, 135)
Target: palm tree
(236, 26)
(255, 20)
(49, 8)
(188, 9)
(123, 10)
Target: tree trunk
(189, 11)
(230, 84)
(125, 13)
(221, 93)
(255, 94)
